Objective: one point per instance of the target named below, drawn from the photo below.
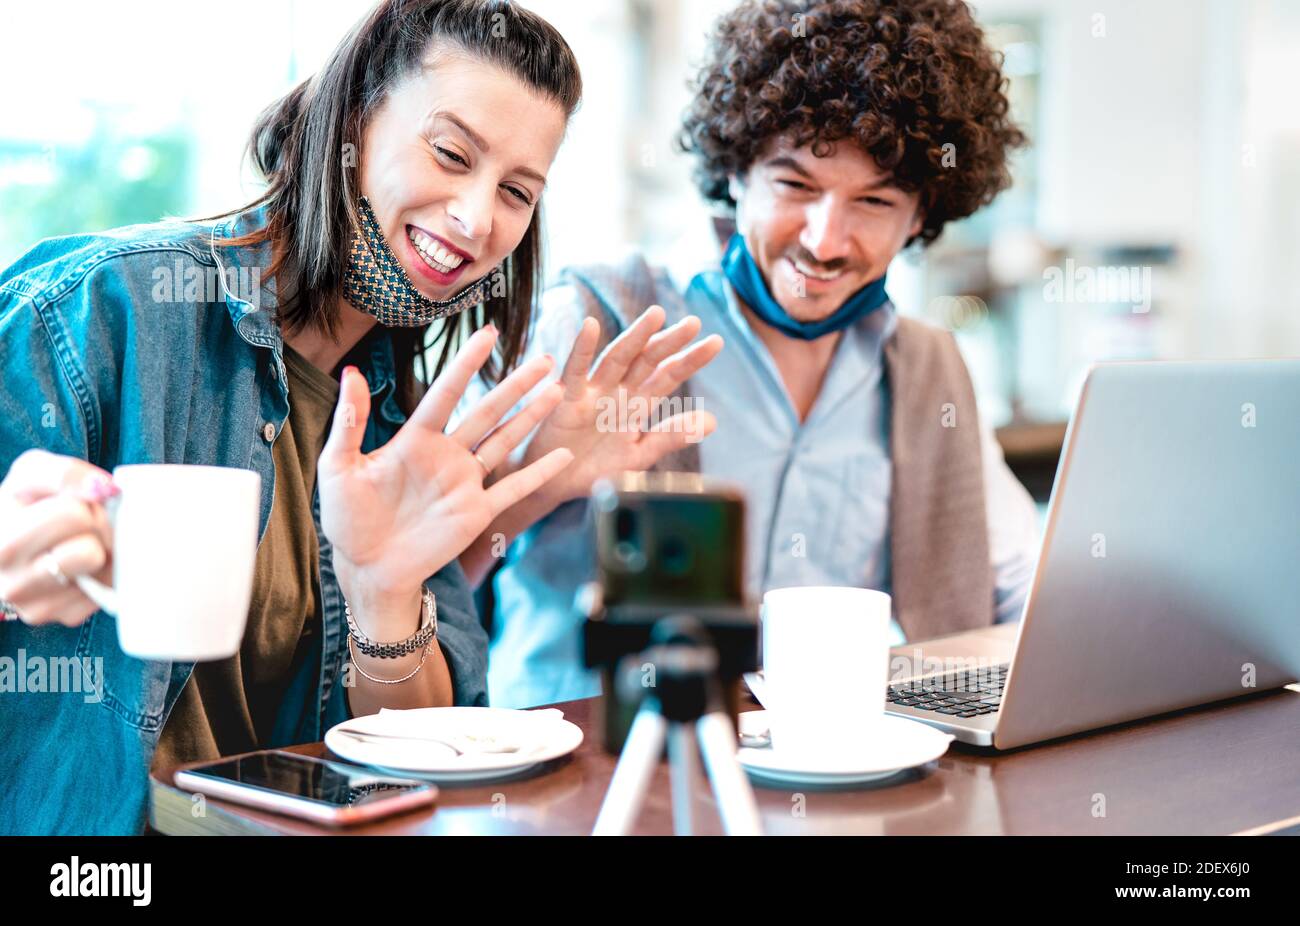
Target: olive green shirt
(230, 705)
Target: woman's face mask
(453, 166)
(375, 283)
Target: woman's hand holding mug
(172, 559)
(53, 528)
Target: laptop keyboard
(968, 693)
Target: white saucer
(897, 744)
(543, 735)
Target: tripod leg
(636, 765)
(681, 770)
(736, 804)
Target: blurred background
(1155, 214)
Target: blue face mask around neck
(743, 274)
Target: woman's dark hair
(910, 81)
(307, 147)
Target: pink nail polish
(99, 487)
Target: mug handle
(103, 595)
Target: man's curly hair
(903, 79)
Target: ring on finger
(51, 565)
(483, 463)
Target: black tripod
(683, 705)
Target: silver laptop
(1169, 574)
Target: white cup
(184, 546)
(825, 665)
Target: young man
(838, 133)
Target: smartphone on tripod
(670, 628)
(667, 544)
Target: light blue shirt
(817, 493)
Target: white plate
(543, 735)
(898, 743)
(453, 778)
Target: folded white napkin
(492, 730)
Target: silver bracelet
(388, 681)
(418, 640)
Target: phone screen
(666, 549)
(332, 783)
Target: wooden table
(1224, 768)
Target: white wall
(1180, 124)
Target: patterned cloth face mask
(375, 283)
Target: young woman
(403, 186)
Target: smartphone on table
(329, 793)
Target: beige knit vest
(941, 578)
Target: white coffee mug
(825, 665)
(184, 546)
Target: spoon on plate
(481, 744)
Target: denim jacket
(149, 344)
